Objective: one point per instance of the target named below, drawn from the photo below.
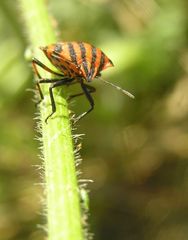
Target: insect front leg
(86, 91)
(91, 89)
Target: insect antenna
(118, 88)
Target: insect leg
(36, 62)
(89, 98)
(53, 80)
(53, 85)
(90, 89)
(44, 80)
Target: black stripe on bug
(83, 55)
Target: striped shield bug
(77, 62)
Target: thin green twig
(62, 194)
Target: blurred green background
(136, 151)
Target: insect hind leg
(44, 80)
(52, 86)
(35, 63)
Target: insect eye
(58, 48)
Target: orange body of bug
(77, 59)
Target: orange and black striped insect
(78, 62)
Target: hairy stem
(62, 194)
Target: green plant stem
(62, 194)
